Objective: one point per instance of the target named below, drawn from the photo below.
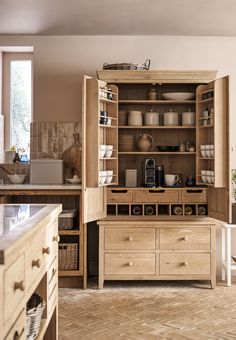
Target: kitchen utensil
(170, 180)
(102, 151)
(149, 173)
(160, 176)
(178, 95)
(171, 118)
(145, 142)
(188, 118)
(152, 94)
(16, 179)
(151, 118)
(135, 118)
(109, 176)
(131, 178)
(102, 177)
(109, 151)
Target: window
(17, 99)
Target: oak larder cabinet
(161, 246)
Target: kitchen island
(28, 264)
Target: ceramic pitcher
(145, 142)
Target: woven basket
(33, 321)
(68, 256)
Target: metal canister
(160, 178)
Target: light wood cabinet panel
(119, 196)
(156, 196)
(126, 238)
(192, 195)
(185, 264)
(129, 264)
(185, 238)
(17, 331)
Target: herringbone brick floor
(148, 310)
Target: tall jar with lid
(152, 94)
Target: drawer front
(129, 238)
(130, 264)
(34, 259)
(14, 286)
(52, 276)
(119, 196)
(194, 195)
(53, 240)
(156, 196)
(185, 238)
(185, 264)
(18, 329)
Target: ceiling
(118, 17)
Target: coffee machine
(149, 173)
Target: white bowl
(109, 147)
(109, 179)
(108, 153)
(102, 153)
(16, 179)
(109, 173)
(102, 179)
(178, 95)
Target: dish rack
(35, 308)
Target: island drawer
(185, 238)
(52, 276)
(130, 264)
(156, 196)
(119, 196)
(194, 195)
(185, 264)
(18, 329)
(127, 238)
(14, 286)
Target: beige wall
(60, 62)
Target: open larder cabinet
(100, 146)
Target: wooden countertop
(14, 232)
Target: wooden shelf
(205, 126)
(206, 158)
(155, 127)
(107, 159)
(154, 153)
(147, 102)
(208, 100)
(69, 232)
(70, 273)
(104, 100)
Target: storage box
(68, 256)
(46, 171)
(67, 219)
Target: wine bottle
(188, 210)
(149, 210)
(178, 210)
(136, 210)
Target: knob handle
(130, 238)
(36, 263)
(17, 335)
(46, 250)
(56, 238)
(185, 238)
(184, 264)
(19, 285)
(129, 264)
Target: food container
(152, 94)
(135, 118)
(151, 118)
(171, 118)
(131, 178)
(67, 219)
(188, 118)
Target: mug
(170, 179)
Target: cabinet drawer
(185, 238)
(53, 240)
(130, 264)
(14, 286)
(194, 195)
(119, 196)
(156, 196)
(184, 264)
(18, 329)
(129, 238)
(52, 276)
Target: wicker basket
(68, 256)
(34, 314)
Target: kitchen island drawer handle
(46, 250)
(185, 264)
(56, 238)
(129, 238)
(129, 264)
(19, 285)
(17, 336)
(156, 191)
(119, 191)
(195, 191)
(185, 238)
(36, 263)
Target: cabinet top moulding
(157, 76)
(146, 101)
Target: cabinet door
(212, 135)
(98, 170)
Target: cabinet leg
(100, 282)
(228, 257)
(213, 283)
(223, 254)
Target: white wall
(60, 62)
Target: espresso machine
(149, 173)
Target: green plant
(233, 176)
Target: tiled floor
(148, 310)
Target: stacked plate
(126, 143)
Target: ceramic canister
(171, 118)
(188, 118)
(135, 118)
(151, 118)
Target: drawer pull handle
(129, 264)
(129, 238)
(185, 264)
(185, 238)
(19, 285)
(196, 191)
(56, 238)
(17, 335)
(119, 191)
(46, 250)
(156, 191)
(36, 263)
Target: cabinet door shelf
(205, 126)
(208, 100)
(147, 102)
(108, 126)
(104, 100)
(108, 159)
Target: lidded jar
(151, 118)
(152, 94)
(171, 118)
(188, 118)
